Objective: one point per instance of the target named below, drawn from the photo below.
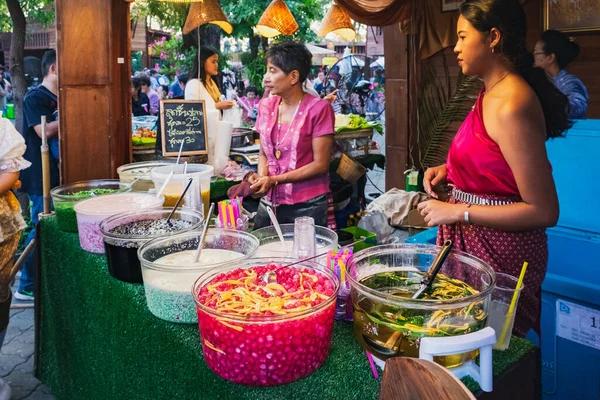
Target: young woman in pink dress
(296, 132)
(503, 195)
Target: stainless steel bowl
(241, 137)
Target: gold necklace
(278, 143)
(494, 85)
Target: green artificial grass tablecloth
(97, 340)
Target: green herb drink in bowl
(66, 196)
(388, 323)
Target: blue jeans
(27, 274)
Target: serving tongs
(430, 275)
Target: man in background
(177, 89)
(41, 101)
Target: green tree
(22, 11)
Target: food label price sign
(183, 121)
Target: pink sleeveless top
(475, 163)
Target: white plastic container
(91, 212)
(142, 171)
(198, 195)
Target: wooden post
(399, 116)
(94, 69)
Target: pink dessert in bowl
(260, 334)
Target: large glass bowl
(168, 284)
(264, 350)
(91, 213)
(121, 247)
(387, 322)
(270, 245)
(64, 198)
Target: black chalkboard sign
(183, 121)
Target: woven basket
(206, 11)
(350, 169)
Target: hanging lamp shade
(337, 21)
(277, 20)
(206, 12)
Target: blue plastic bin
(571, 290)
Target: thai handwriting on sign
(183, 127)
(184, 122)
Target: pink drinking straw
(370, 357)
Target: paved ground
(16, 357)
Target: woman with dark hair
(140, 103)
(296, 132)
(153, 97)
(202, 85)
(553, 53)
(503, 195)
(249, 105)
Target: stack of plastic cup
(305, 243)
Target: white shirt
(195, 90)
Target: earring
(493, 49)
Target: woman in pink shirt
(296, 131)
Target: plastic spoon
(162, 189)
(179, 200)
(204, 231)
(276, 225)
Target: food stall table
(96, 339)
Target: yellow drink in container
(198, 195)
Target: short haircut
(144, 79)
(291, 56)
(48, 60)
(183, 78)
(251, 89)
(135, 82)
(152, 72)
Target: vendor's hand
(263, 185)
(439, 213)
(224, 105)
(434, 176)
(331, 97)
(252, 178)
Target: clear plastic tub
(64, 198)
(91, 212)
(197, 196)
(270, 245)
(142, 171)
(125, 233)
(266, 350)
(387, 322)
(168, 282)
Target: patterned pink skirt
(505, 252)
